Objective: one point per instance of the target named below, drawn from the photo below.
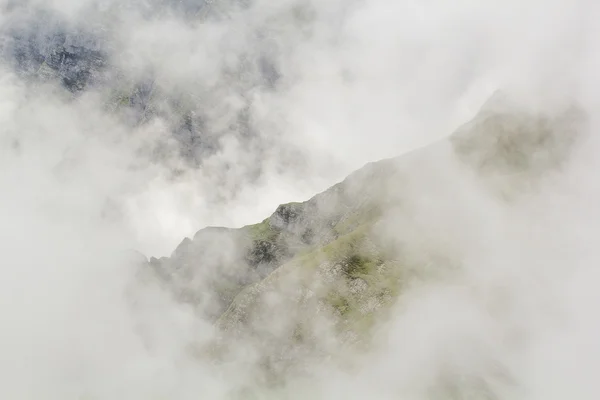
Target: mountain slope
(332, 265)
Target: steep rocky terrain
(331, 261)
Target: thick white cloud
(360, 81)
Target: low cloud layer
(289, 98)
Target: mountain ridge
(332, 259)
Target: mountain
(342, 258)
(85, 54)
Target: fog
(83, 188)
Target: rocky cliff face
(329, 260)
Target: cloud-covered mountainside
(398, 199)
(328, 267)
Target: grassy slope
(322, 262)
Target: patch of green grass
(339, 302)
(365, 216)
(261, 231)
(356, 265)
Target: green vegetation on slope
(324, 268)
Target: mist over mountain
(332, 258)
(42, 45)
(302, 199)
